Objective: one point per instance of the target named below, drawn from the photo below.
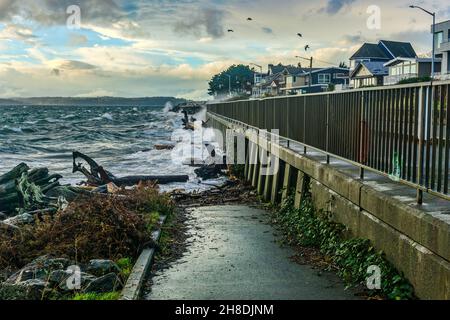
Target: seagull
(249, 19)
(229, 30)
(307, 47)
(300, 35)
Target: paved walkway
(233, 254)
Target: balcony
(445, 46)
(392, 80)
(442, 76)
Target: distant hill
(98, 101)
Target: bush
(415, 80)
(99, 226)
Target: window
(324, 78)
(407, 69)
(438, 39)
(413, 68)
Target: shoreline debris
(97, 176)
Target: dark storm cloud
(76, 65)
(53, 12)
(334, 6)
(209, 21)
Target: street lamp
(433, 14)
(254, 80)
(229, 84)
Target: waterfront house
(322, 79)
(367, 65)
(274, 81)
(442, 43)
(409, 68)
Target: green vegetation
(415, 80)
(238, 78)
(125, 265)
(97, 296)
(309, 228)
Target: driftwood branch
(97, 176)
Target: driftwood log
(97, 176)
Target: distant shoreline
(97, 101)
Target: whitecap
(107, 116)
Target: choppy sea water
(121, 139)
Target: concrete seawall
(416, 239)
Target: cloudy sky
(172, 47)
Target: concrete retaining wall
(416, 242)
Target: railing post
(328, 129)
(361, 136)
(304, 123)
(419, 195)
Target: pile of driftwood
(26, 191)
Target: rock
(100, 267)
(209, 171)
(164, 147)
(58, 279)
(32, 289)
(107, 283)
(40, 268)
(20, 220)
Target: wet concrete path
(233, 254)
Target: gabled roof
(375, 68)
(370, 50)
(385, 50)
(279, 68)
(399, 49)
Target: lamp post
(260, 68)
(433, 14)
(229, 84)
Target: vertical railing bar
(328, 129)
(428, 117)
(416, 137)
(421, 133)
(447, 141)
(441, 137)
(433, 139)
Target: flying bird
(230, 30)
(307, 47)
(300, 35)
(249, 19)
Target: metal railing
(399, 131)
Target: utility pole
(310, 67)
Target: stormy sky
(172, 47)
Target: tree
(237, 78)
(343, 65)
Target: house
(321, 80)
(442, 44)
(409, 68)
(367, 64)
(272, 83)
